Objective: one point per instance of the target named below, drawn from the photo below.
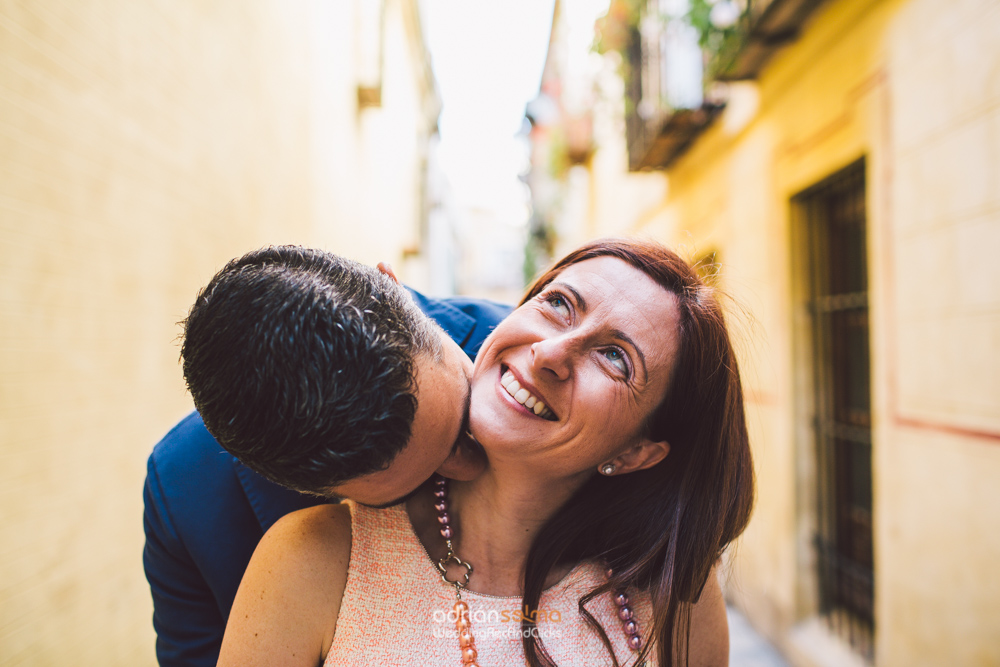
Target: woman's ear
(385, 268)
(646, 454)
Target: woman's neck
(495, 520)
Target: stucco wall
(938, 499)
(142, 145)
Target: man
(334, 354)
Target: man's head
(322, 375)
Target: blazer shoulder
(188, 453)
(202, 481)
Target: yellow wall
(141, 146)
(914, 86)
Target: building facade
(840, 179)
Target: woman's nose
(554, 356)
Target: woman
(610, 408)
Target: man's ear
(465, 463)
(386, 269)
(646, 454)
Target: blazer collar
(269, 501)
(456, 323)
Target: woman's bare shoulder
(709, 639)
(308, 552)
(286, 608)
(323, 530)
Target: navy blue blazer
(205, 513)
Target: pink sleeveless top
(397, 611)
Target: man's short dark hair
(301, 364)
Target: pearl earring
(608, 469)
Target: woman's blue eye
(617, 357)
(558, 303)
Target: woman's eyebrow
(581, 303)
(624, 337)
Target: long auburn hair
(659, 530)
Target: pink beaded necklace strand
(466, 640)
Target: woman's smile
(524, 394)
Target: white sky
(487, 58)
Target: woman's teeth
(524, 397)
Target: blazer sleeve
(186, 618)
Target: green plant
(722, 40)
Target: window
(833, 222)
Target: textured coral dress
(397, 611)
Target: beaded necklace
(466, 640)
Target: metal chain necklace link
(463, 624)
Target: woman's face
(596, 347)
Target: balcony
(766, 27)
(673, 50)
